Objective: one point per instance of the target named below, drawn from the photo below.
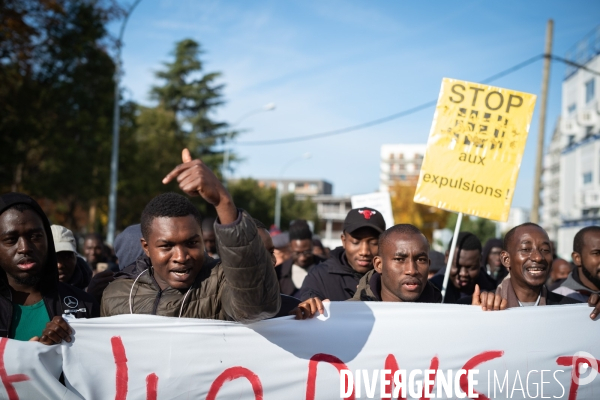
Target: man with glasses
(291, 273)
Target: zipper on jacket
(156, 301)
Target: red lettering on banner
(472, 363)
(234, 373)
(151, 387)
(8, 380)
(122, 376)
(312, 373)
(392, 365)
(575, 362)
(435, 363)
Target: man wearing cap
(72, 269)
(337, 278)
(32, 300)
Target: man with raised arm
(176, 279)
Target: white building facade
(400, 163)
(571, 179)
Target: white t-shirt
(298, 275)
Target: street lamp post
(305, 156)
(114, 162)
(266, 107)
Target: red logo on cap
(367, 213)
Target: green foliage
(192, 96)
(153, 137)
(483, 228)
(259, 201)
(56, 98)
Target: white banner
(380, 201)
(518, 354)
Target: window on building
(589, 90)
(571, 140)
(587, 177)
(572, 108)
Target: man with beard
(465, 271)
(584, 281)
(337, 278)
(32, 299)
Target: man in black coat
(292, 272)
(337, 278)
(466, 270)
(32, 299)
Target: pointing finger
(186, 156)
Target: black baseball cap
(364, 217)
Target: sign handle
(451, 255)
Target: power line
(401, 113)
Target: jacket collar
(573, 282)
(338, 263)
(369, 289)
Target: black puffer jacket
(59, 298)
(333, 279)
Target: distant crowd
(175, 263)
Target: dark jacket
(241, 286)
(369, 289)
(489, 245)
(284, 276)
(453, 295)
(82, 275)
(333, 279)
(59, 298)
(573, 288)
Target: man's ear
(343, 237)
(576, 258)
(446, 257)
(145, 247)
(505, 258)
(378, 264)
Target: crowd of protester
(174, 263)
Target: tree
(406, 211)
(259, 201)
(152, 137)
(56, 97)
(192, 96)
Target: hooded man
(337, 278)
(32, 299)
(584, 280)
(177, 278)
(465, 271)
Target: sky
(334, 64)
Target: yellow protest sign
(475, 149)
